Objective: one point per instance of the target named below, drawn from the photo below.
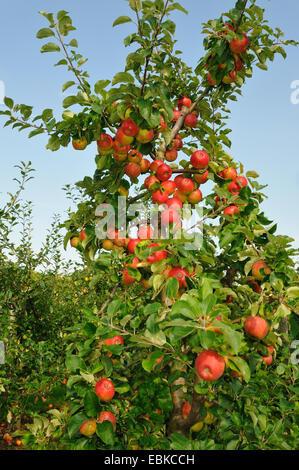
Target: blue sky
(265, 123)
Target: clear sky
(265, 123)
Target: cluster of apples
(238, 46)
(191, 118)
(237, 183)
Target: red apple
(163, 124)
(238, 63)
(186, 410)
(180, 274)
(133, 170)
(129, 128)
(176, 114)
(145, 135)
(74, 242)
(256, 326)
(169, 187)
(211, 80)
(174, 203)
(105, 389)
(159, 197)
(118, 339)
(132, 244)
(164, 172)
(179, 195)
(191, 120)
(155, 165)
(107, 416)
(169, 216)
(127, 279)
(171, 155)
(82, 235)
(231, 210)
(200, 159)
(134, 156)
(228, 173)
(210, 365)
(201, 178)
(195, 196)
(120, 149)
(177, 142)
(185, 185)
(184, 101)
(268, 359)
(145, 165)
(150, 181)
(230, 78)
(256, 270)
(145, 232)
(105, 144)
(80, 144)
(238, 45)
(88, 427)
(122, 138)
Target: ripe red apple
(150, 181)
(159, 197)
(184, 101)
(129, 128)
(239, 46)
(220, 201)
(256, 326)
(145, 165)
(180, 274)
(132, 244)
(195, 196)
(185, 185)
(80, 144)
(122, 138)
(82, 235)
(107, 416)
(118, 339)
(270, 349)
(105, 389)
(145, 232)
(88, 428)
(231, 210)
(145, 135)
(176, 114)
(120, 157)
(268, 359)
(134, 156)
(179, 195)
(164, 172)
(169, 187)
(171, 155)
(256, 270)
(133, 170)
(127, 279)
(163, 124)
(186, 410)
(105, 144)
(241, 181)
(157, 255)
(201, 178)
(191, 120)
(177, 142)
(155, 165)
(174, 203)
(169, 216)
(200, 159)
(254, 285)
(228, 173)
(210, 365)
(120, 149)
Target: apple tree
(187, 326)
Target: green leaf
(74, 363)
(50, 47)
(149, 363)
(122, 20)
(122, 77)
(75, 423)
(91, 404)
(69, 101)
(177, 6)
(45, 33)
(8, 102)
(182, 307)
(100, 85)
(35, 132)
(241, 366)
(105, 432)
(53, 143)
(171, 288)
(67, 85)
(180, 442)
